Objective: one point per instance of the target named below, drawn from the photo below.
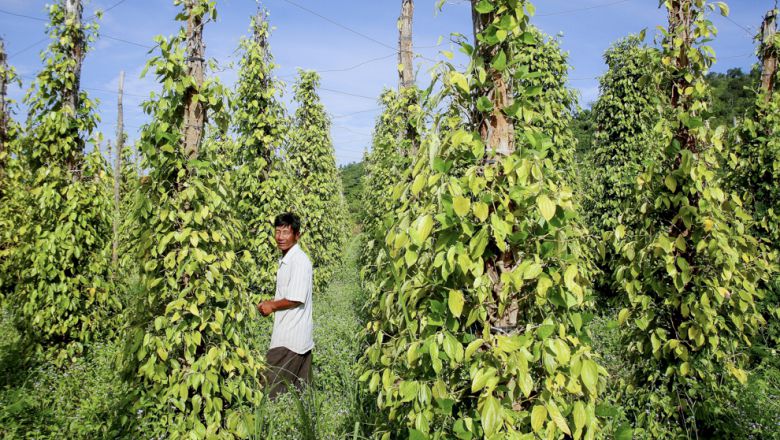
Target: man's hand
(265, 308)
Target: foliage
(386, 165)
(352, 182)
(543, 73)
(261, 124)
(690, 270)
(583, 127)
(624, 116)
(478, 326)
(311, 160)
(186, 349)
(61, 296)
(42, 401)
(10, 178)
(733, 94)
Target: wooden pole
(194, 109)
(768, 54)
(4, 118)
(405, 52)
(496, 130)
(120, 144)
(680, 22)
(73, 11)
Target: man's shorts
(286, 367)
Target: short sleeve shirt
(293, 328)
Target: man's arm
(268, 307)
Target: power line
(113, 6)
(569, 11)
(347, 28)
(363, 63)
(744, 28)
(348, 94)
(127, 41)
(22, 15)
(344, 115)
(28, 48)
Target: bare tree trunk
(194, 110)
(769, 54)
(120, 144)
(498, 133)
(73, 11)
(405, 52)
(497, 130)
(4, 118)
(680, 21)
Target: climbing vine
(478, 328)
(261, 123)
(311, 161)
(186, 349)
(689, 269)
(61, 298)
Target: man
(289, 355)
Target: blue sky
(356, 56)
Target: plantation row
(171, 271)
(523, 289)
(517, 287)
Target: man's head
(287, 230)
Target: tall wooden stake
(680, 22)
(768, 54)
(120, 145)
(497, 131)
(405, 52)
(4, 118)
(73, 11)
(194, 110)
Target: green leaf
(484, 7)
(484, 104)
(579, 414)
(590, 375)
(460, 81)
(557, 418)
(532, 271)
(624, 432)
(492, 416)
(481, 210)
(461, 205)
(670, 182)
(499, 61)
(424, 228)
(538, 417)
(546, 207)
(415, 434)
(455, 301)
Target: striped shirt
(293, 328)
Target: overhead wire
(587, 8)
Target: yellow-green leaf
(546, 207)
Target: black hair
(288, 219)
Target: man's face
(285, 237)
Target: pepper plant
(690, 270)
(478, 325)
(61, 298)
(625, 114)
(261, 124)
(396, 132)
(311, 161)
(186, 350)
